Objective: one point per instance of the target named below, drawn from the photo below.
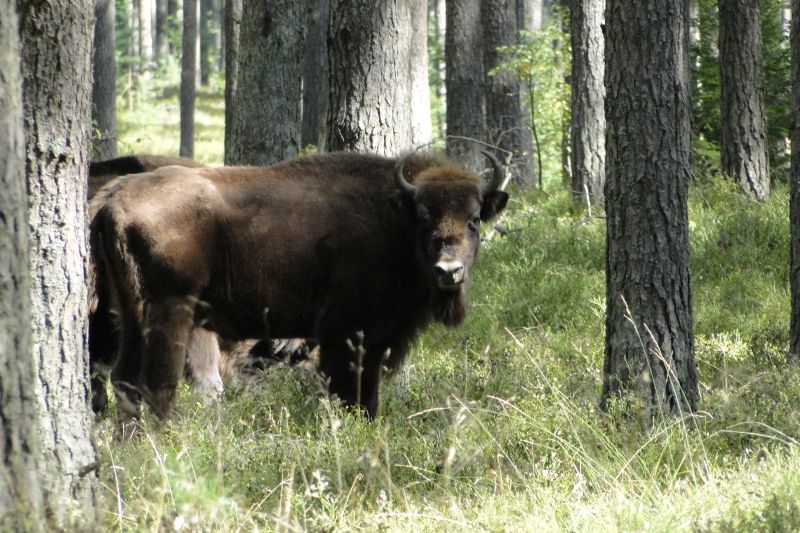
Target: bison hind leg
(168, 321)
(203, 361)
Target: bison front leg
(167, 325)
(353, 371)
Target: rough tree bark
(464, 79)
(189, 75)
(266, 113)
(506, 123)
(794, 192)
(315, 74)
(588, 95)
(649, 343)
(233, 24)
(57, 77)
(20, 486)
(368, 47)
(743, 145)
(104, 89)
(419, 95)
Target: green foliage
(542, 62)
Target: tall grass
(495, 425)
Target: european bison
(207, 361)
(337, 247)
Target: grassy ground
(495, 426)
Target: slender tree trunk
(147, 56)
(744, 130)
(162, 40)
(794, 192)
(20, 485)
(465, 82)
(104, 90)
(440, 12)
(505, 121)
(370, 90)
(420, 96)
(172, 15)
(57, 74)
(266, 114)
(315, 74)
(189, 76)
(233, 20)
(206, 38)
(588, 96)
(649, 343)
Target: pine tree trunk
(744, 131)
(147, 56)
(162, 40)
(370, 90)
(315, 74)
(104, 95)
(649, 343)
(794, 192)
(588, 96)
(266, 114)
(465, 82)
(20, 486)
(233, 19)
(189, 76)
(507, 125)
(57, 75)
(206, 40)
(420, 96)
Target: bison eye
(474, 223)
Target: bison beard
(449, 306)
(331, 244)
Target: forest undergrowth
(495, 425)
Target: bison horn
(497, 175)
(401, 181)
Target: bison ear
(493, 204)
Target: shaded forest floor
(495, 426)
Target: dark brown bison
(207, 361)
(337, 247)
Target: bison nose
(449, 274)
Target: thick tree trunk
(104, 95)
(794, 192)
(588, 96)
(465, 82)
(649, 343)
(266, 114)
(57, 73)
(315, 74)
(506, 123)
(20, 486)
(744, 130)
(189, 76)
(420, 96)
(368, 46)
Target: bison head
(449, 204)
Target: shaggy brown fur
(332, 246)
